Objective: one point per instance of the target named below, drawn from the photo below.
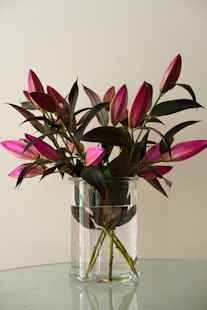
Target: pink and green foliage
(62, 130)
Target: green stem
(50, 134)
(124, 253)
(95, 253)
(113, 240)
(74, 142)
(111, 255)
(148, 116)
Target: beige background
(103, 43)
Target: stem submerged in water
(111, 255)
(124, 253)
(95, 252)
(113, 241)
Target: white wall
(102, 42)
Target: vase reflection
(110, 296)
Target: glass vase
(104, 231)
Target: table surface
(163, 285)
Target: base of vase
(119, 275)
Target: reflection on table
(164, 284)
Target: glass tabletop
(163, 285)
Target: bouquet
(126, 142)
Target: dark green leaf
(82, 110)
(170, 134)
(41, 118)
(140, 149)
(72, 98)
(174, 106)
(94, 176)
(109, 149)
(48, 172)
(120, 215)
(28, 105)
(121, 164)
(73, 95)
(165, 141)
(24, 172)
(189, 89)
(108, 135)
(79, 132)
(156, 184)
(28, 115)
(129, 214)
(155, 120)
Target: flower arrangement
(129, 131)
(58, 146)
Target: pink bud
(27, 96)
(140, 105)
(56, 95)
(118, 105)
(32, 173)
(152, 154)
(43, 101)
(34, 83)
(17, 148)
(62, 106)
(109, 94)
(94, 155)
(185, 150)
(43, 148)
(171, 74)
(150, 174)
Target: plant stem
(74, 142)
(113, 240)
(111, 255)
(148, 116)
(124, 253)
(96, 252)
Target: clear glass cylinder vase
(104, 231)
